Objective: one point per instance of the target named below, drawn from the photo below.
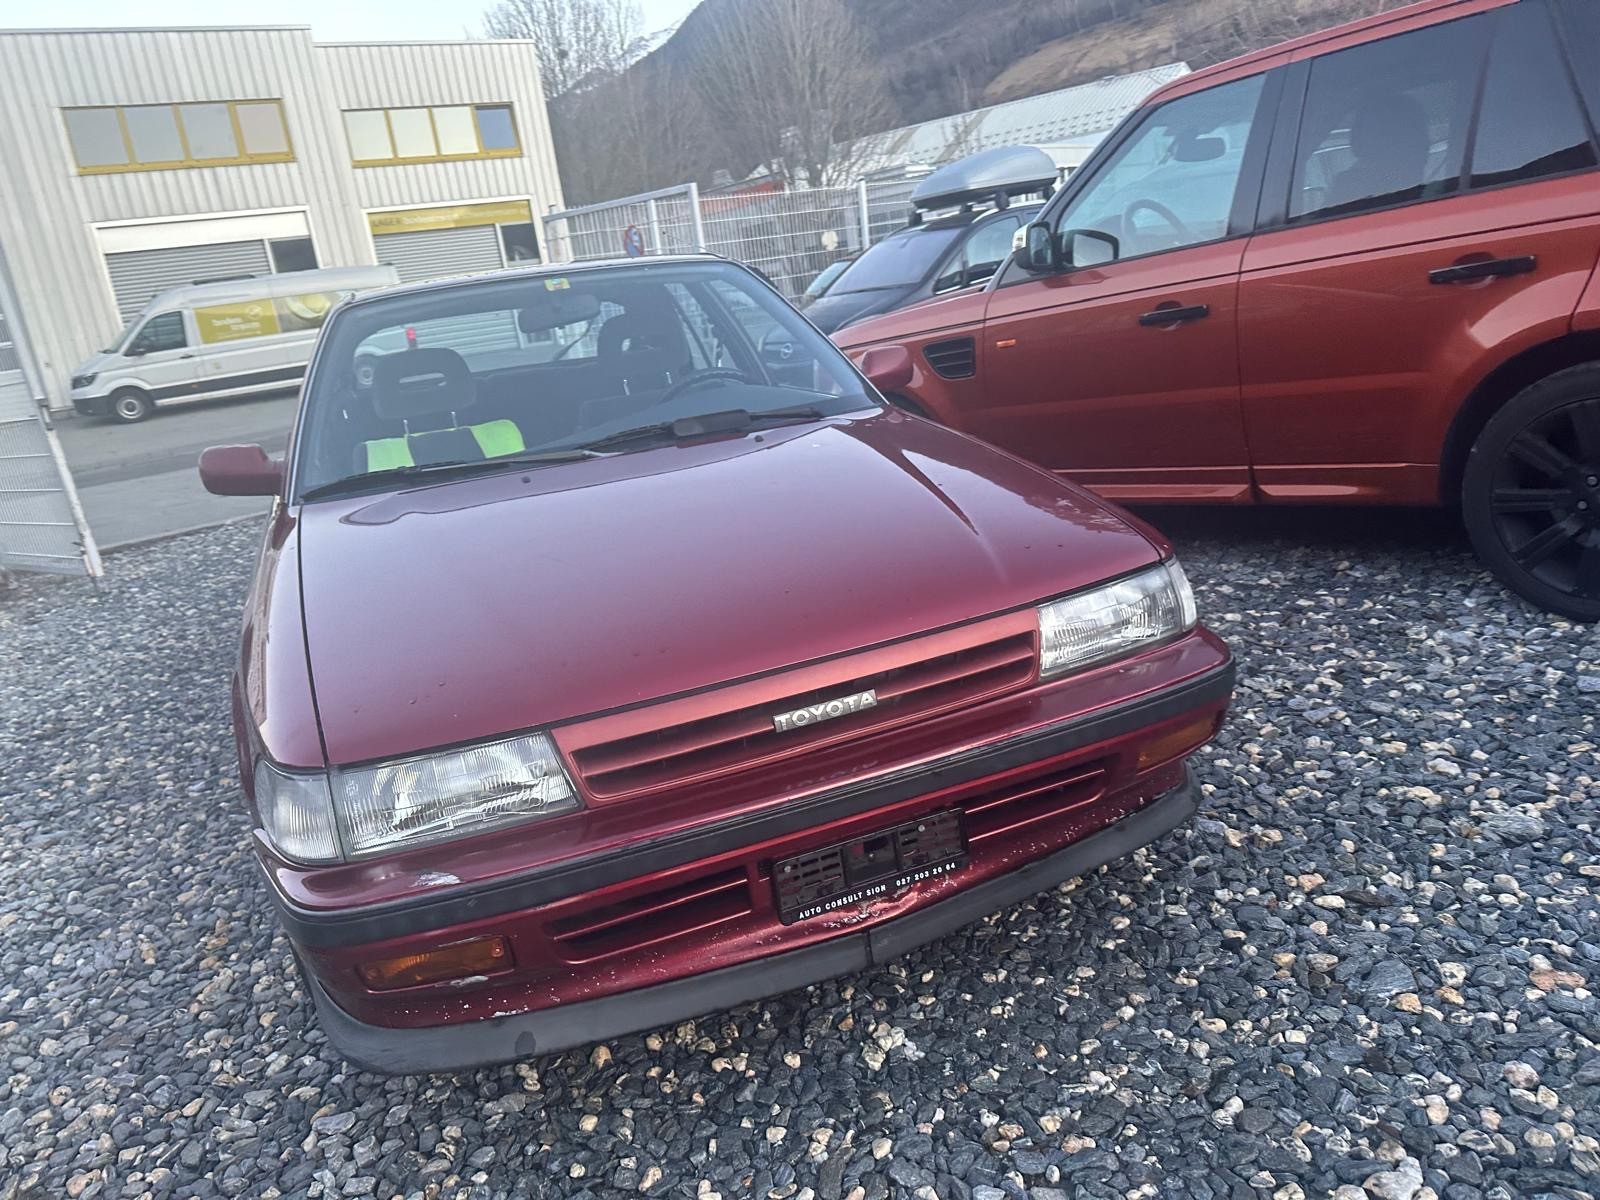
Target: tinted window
(1172, 183)
(1529, 123)
(163, 332)
(900, 260)
(1386, 123)
(1581, 19)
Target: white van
(207, 340)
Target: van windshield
(900, 260)
(121, 340)
(507, 368)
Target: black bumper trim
(354, 926)
(447, 1048)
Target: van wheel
(1531, 493)
(130, 405)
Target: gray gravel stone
(149, 1003)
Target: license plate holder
(874, 865)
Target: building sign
(263, 318)
(451, 216)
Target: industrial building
(140, 159)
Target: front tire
(1530, 495)
(130, 406)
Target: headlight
(1116, 619)
(83, 381)
(412, 802)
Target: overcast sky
(330, 20)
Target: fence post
(865, 210)
(655, 227)
(696, 218)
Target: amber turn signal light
(1170, 745)
(462, 960)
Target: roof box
(997, 174)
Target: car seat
(1389, 139)
(420, 386)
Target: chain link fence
(789, 236)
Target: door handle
(1175, 314)
(1519, 264)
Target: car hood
(96, 363)
(955, 311)
(832, 309)
(483, 606)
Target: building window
(381, 136)
(292, 254)
(146, 137)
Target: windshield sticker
(558, 284)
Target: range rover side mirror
(1038, 252)
(888, 368)
(240, 471)
(1089, 248)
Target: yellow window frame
(394, 159)
(187, 161)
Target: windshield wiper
(732, 420)
(433, 471)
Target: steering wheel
(1184, 233)
(713, 375)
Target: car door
(1120, 368)
(1429, 210)
(165, 357)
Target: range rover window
(1529, 121)
(1172, 183)
(1581, 37)
(1386, 123)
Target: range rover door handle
(1490, 268)
(1175, 314)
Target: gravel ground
(1368, 969)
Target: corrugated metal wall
(391, 76)
(48, 212)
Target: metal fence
(41, 523)
(789, 236)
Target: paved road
(139, 481)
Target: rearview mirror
(550, 309)
(1193, 148)
(1038, 253)
(240, 471)
(888, 368)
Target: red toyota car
(615, 654)
(1356, 268)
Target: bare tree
(579, 42)
(785, 82)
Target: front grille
(954, 359)
(653, 917)
(633, 754)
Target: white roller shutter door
(138, 275)
(433, 253)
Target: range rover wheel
(1531, 493)
(130, 405)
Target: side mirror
(1038, 252)
(888, 368)
(1089, 247)
(240, 471)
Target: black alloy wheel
(1531, 493)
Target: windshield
(900, 260)
(121, 340)
(512, 367)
